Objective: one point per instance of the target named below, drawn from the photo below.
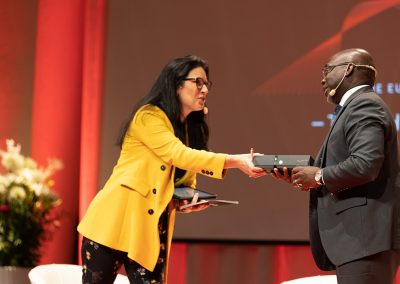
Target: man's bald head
(363, 71)
(354, 55)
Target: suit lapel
(324, 145)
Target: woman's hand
(193, 208)
(244, 162)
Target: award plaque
(270, 162)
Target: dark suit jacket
(356, 213)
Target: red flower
(4, 208)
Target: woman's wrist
(233, 161)
(228, 162)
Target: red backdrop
(56, 51)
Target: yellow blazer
(124, 214)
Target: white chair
(62, 274)
(321, 279)
(121, 279)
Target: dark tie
(336, 112)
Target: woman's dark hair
(164, 95)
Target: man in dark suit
(355, 182)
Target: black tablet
(187, 193)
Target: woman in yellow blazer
(131, 220)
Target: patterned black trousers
(101, 263)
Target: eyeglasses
(199, 82)
(328, 68)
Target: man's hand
(304, 178)
(285, 176)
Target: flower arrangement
(26, 207)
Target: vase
(14, 275)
